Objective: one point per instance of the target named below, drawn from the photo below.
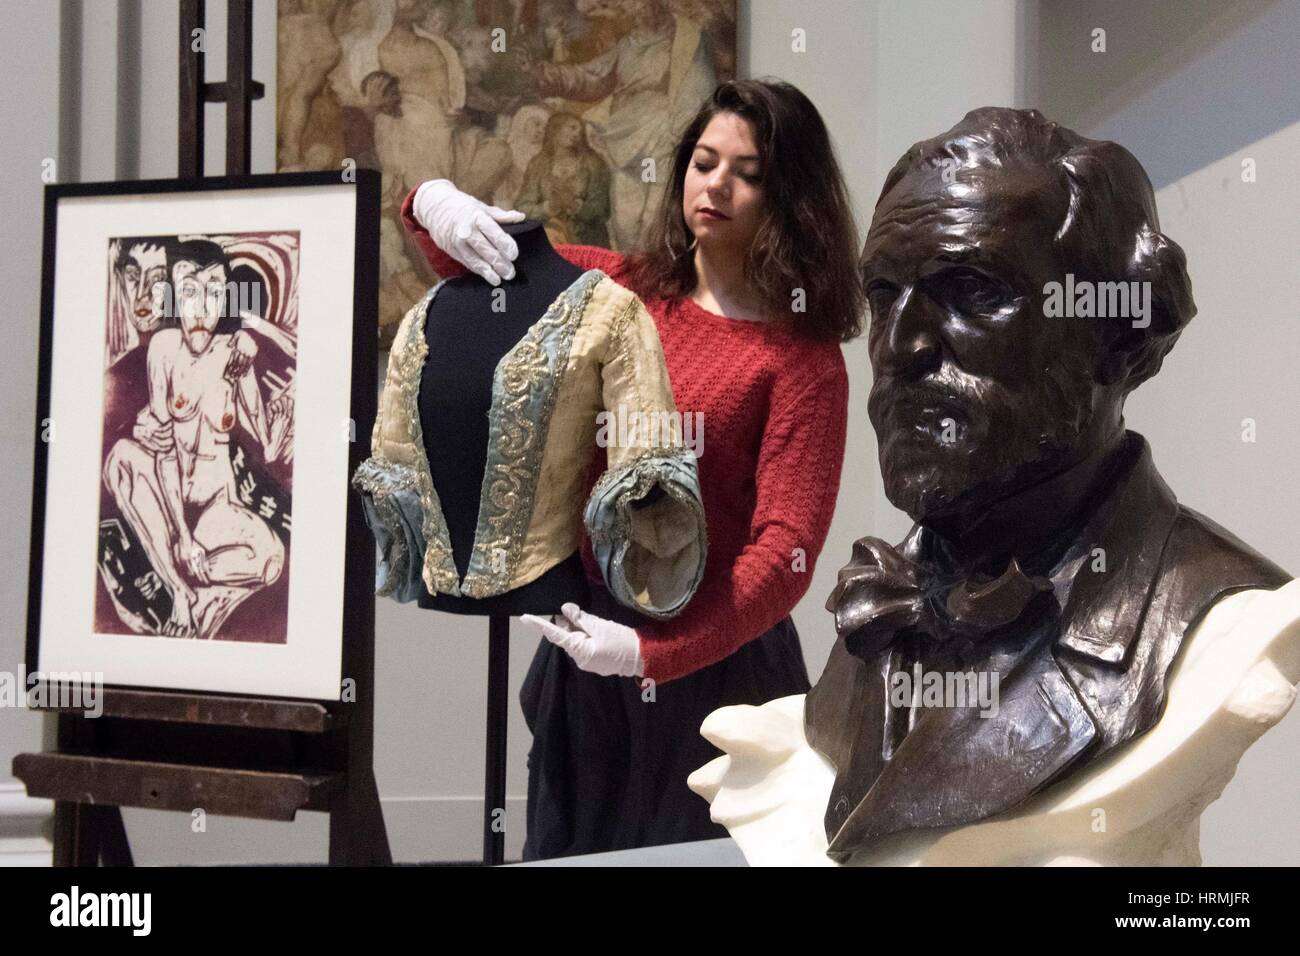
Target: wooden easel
(227, 755)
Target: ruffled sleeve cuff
(648, 533)
(391, 499)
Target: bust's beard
(999, 444)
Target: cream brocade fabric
(595, 349)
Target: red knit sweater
(775, 407)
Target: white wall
(1192, 97)
(840, 78)
(884, 73)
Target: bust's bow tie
(883, 594)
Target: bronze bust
(1020, 288)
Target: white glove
(466, 229)
(596, 645)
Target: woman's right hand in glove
(467, 229)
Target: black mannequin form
(466, 340)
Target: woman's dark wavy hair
(806, 239)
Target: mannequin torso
(467, 339)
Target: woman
(750, 273)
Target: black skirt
(608, 766)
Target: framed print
(207, 363)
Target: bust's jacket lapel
(956, 766)
(844, 718)
(1123, 626)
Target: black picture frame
(358, 573)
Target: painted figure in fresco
(655, 78)
(567, 186)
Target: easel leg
(357, 833)
(76, 839)
(494, 788)
(113, 847)
(380, 852)
(83, 833)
